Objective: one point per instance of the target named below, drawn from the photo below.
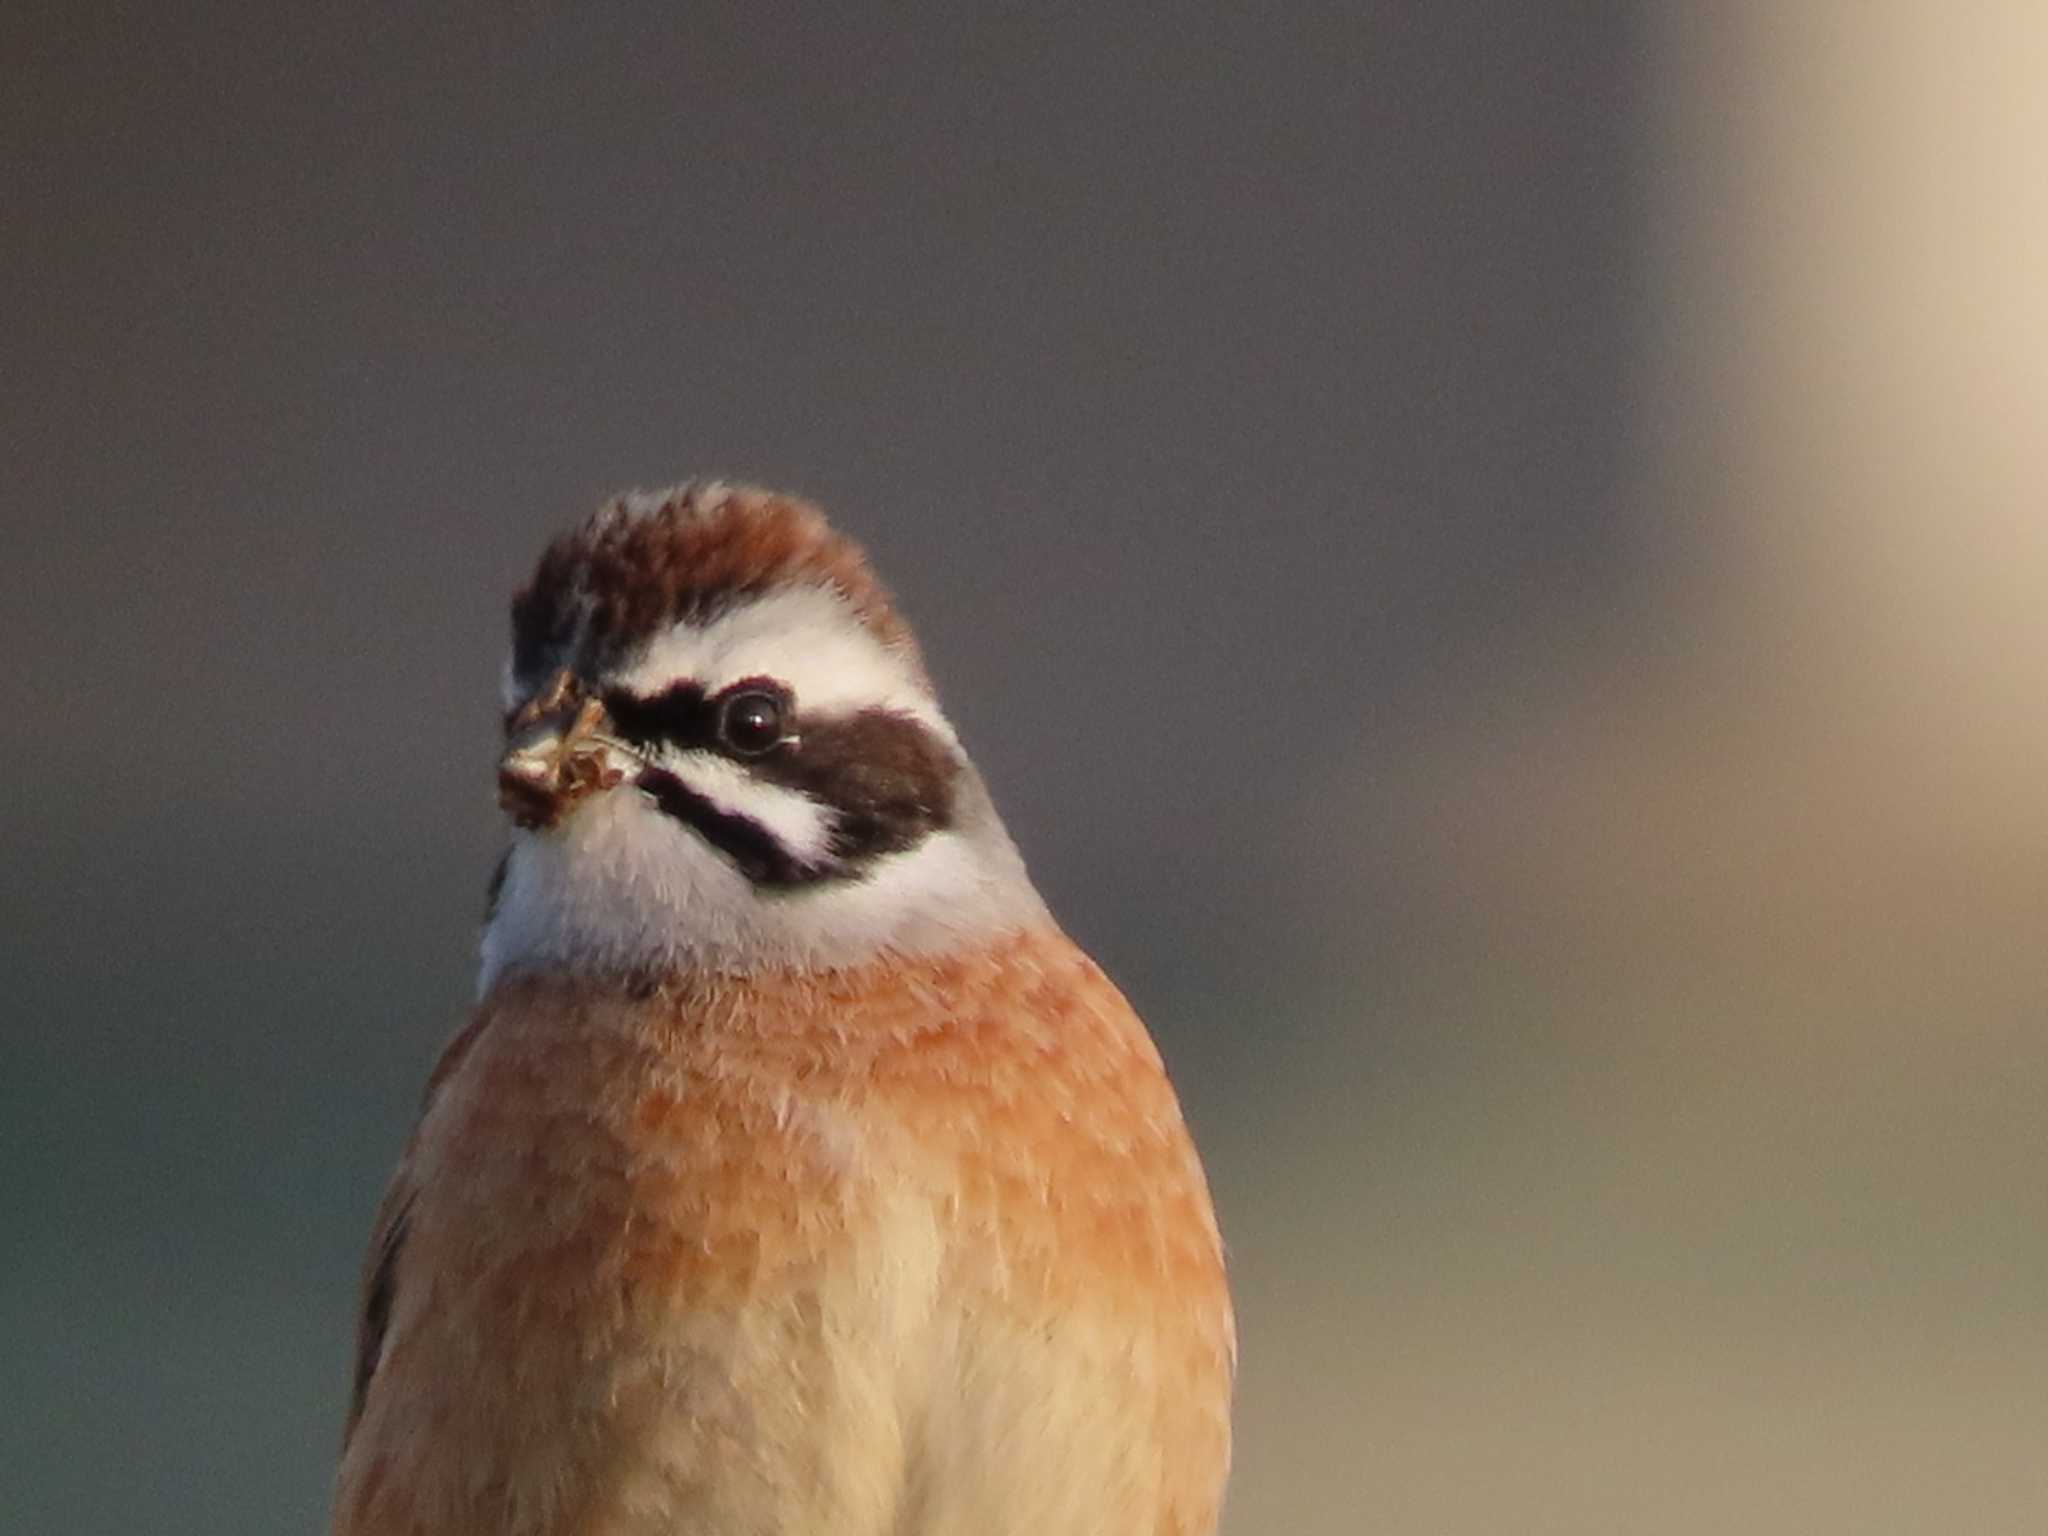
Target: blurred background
(1492, 553)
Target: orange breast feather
(914, 1247)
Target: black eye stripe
(680, 714)
(683, 715)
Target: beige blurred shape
(1717, 1203)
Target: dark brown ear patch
(380, 1285)
(888, 775)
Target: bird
(794, 1171)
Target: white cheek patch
(613, 888)
(805, 638)
(622, 888)
(802, 826)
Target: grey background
(1288, 433)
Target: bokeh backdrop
(1492, 553)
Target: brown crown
(640, 566)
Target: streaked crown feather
(647, 561)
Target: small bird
(794, 1172)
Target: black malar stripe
(753, 849)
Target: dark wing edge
(380, 1285)
(387, 1238)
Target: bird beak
(556, 754)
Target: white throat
(621, 889)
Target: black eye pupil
(751, 722)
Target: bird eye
(751, 721)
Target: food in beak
(555, 755)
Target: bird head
(723, 750)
